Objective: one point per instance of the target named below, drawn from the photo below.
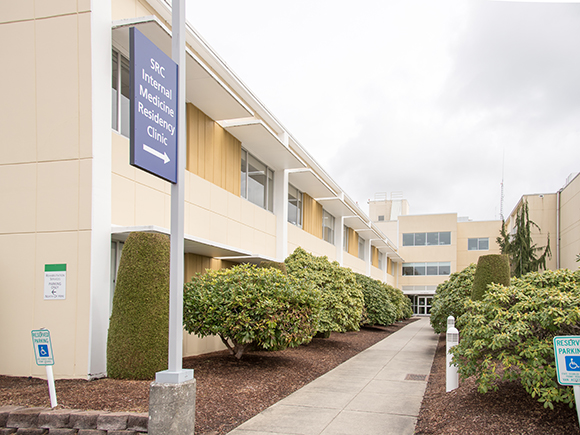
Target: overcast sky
(423, 97)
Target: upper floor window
(361, 248)
(427, 239)
(120, 98)
(257, 182)
(345, 241)
(294, 206)
(480, 244)
(327, 227)
(422, 269)
(381, 218)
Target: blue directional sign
(153, 108)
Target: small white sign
(55, 281)
(567, 354)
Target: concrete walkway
(379, 391)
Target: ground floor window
(421, 304)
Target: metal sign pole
(175, 373)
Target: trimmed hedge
(512, 329)
(493, 268)
(451, 298)
(247, 305)
(137, 345)
(379, 309)
(342, 297)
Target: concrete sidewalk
(379, 391)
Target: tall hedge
(342, 297)
(493, 268)
(137, 345)
(379, 309)
(451, 298)
(247, 305)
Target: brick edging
(45, 421)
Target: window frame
(478, 240)
(120, 123)
(268, 196)
(299, 205)
(422, 238)
(442, 268)
(328, 236)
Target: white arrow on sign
(156, 153)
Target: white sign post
(567, 354)
(44, 357)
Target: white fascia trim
(127, 22)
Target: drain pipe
(558, 228)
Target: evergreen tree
(525, 256)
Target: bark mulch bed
(509, 410)
(229, 391)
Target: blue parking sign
(42, 347)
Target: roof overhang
(262, 142)
(192, 245)
(204, 89)
(307, 181)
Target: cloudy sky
(434, 99)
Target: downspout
(558, 228)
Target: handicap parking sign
(567, 356)
(572, 363)
(42, 347)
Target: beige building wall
(475, 229)
(46, 170)
(570, 225)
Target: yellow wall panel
(312, 213)
(374, 256)
(352, 242)
(212, 153)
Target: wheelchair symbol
(43, 350)
(572, 365)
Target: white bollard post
(452, 377)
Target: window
(481, 244)
(294, 206)
(361, 248)
(381, 218)
(327, 227)
(427, 239)
(345, 241)
(426, 269)
(121, 109)
(257, 183)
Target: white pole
(452, 377)
(51, 388)
(576, 399)
(175, 374)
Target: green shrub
(137, 345)
(493, 268)
(274, 265)
(247, 305)
(451, 297)
(512, 329)
(402, 303)
(342, 298)
(379, 309)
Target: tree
(492, 268)
(519, 246)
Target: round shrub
(451, 297)
(402, 303)
(379, 309)
(247, 305)
(508, 335)
(493, 268)
(342, 298)
(137, 344)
